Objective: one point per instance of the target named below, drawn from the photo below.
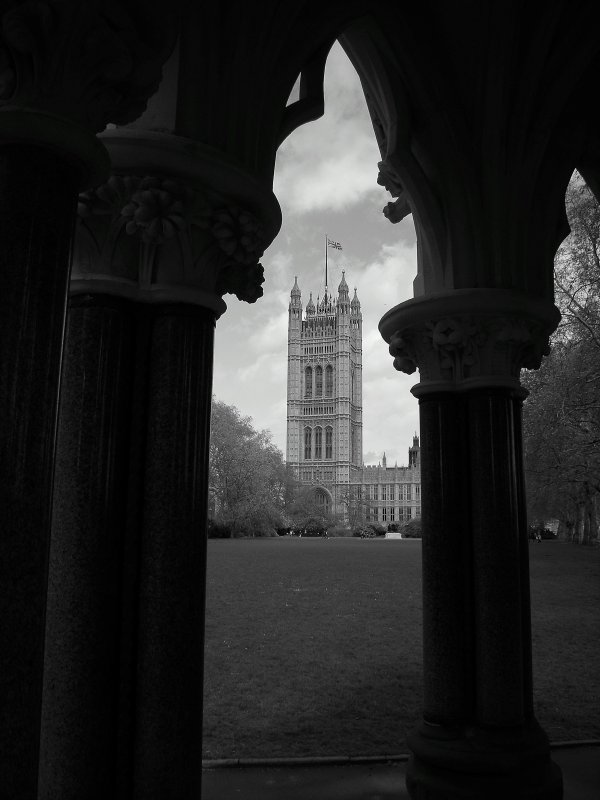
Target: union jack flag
(337, 245)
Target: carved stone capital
(192, 230)
(74, 67)
(469, 338)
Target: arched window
(307, 443)
(319, 382)
(329, 381)
(318, 442)
(328, 442)
(308, 382)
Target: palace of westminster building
(324, 415)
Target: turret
(295, 293)
(355, 304)
(310, 306)
(343, 304)
(295, 307)
(414, 453)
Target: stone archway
(324, 500)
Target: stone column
(479, 736)
(158, 245)
(37, 205)
(169, 685)
(65, 72)
(86, 556)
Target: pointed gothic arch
(318, 442)
(308, 382)
(318, 381)
(329, 380)
(307, 443)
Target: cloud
(331, 163)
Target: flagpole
(325, 263)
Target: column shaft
(479, 737)
(38, 194)
(447, 645)
(81, 676)
(173, 556)
(496, 529)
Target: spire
(310, 306)
(295, 288)
(343, 287)
(384, 461)
(355, 304)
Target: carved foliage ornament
(157, 209)
(81, 60)
(453, 349)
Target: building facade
(324, 415)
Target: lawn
(313, 646)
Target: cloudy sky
(326, 183)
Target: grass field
(313, 646)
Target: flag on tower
(337, 245)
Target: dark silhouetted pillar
(38, 193)
(479, 736)
(173, 556)
(124, 667)
(85, 593)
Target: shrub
(412, 529)
(377, 528)
(218, 530)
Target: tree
(248, 477)
(358, 506)
(304, 511)
(561, 415)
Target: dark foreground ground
(313, 646)
(580, 769)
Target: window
(392, 514)
(384, 493)
(417, 492)
(384, 514)
(376, 514)
(408, 491)
(318, 442)
(307, 444)
(319, 382)
(308, 382)
(375, 493)
(329, 381)
(328, 442)
(392, 493)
